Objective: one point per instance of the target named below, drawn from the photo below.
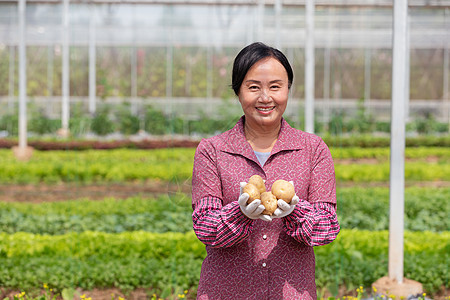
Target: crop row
(383, 153)
(142, 259)
(176, 164)
(187, 154)
(355, 141)
(122, 171)
(425, 209)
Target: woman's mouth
(265, 109)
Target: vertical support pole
(137, 105)
(445, 92)
(278, 29)
(250, 24)
(133, 71)
(209, 81)
(407, 62)
(209, 73)
(169, 69)
(50, 72)
(22, 77)
(65, 71)
(326, 84)
(309, 67)
(327, 70)
(92, 61)
(260, 16)
(134, 62)
(397, 162)
(169, 83)
(367, 77)
(12, 75)
(295, 110)
(169, 74)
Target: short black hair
(250, 55)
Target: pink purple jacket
(255, 259)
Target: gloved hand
(253, 210)
(285, 208)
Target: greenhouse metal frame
(362, 26)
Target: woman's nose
(264, 96)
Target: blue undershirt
(262, 157)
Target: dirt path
(71, 191)
(61, 192)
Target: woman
(251, 255)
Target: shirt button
(264, 264)
(264, 237)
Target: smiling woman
(263, 97)
(252, 255)
(262, 77)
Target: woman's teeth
(265, 108)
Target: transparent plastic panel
(111, 199)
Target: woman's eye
(274, 87)
(253, 87)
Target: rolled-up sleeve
(313, 224)
(220, 226)
(214, 224)
(314, 221)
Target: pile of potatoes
(256, 189)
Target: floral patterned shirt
(256, 259)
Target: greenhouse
(176, 56)
(115, 183)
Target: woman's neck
(261, 139)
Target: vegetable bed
(160, 260)
(124, 165)
(358, 208)
(147, 241)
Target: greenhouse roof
(207, 23)
(429, 3)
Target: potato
(283, 189)
(257, 181)
(252, 191)
(270, 203)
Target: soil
(95, 294)
(70, 191)
(407, 288)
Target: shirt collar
(288, 139)
(235, 142)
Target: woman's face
(264, 93)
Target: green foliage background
(148, 242)
(176, 164)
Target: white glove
(285, 208)
(254, 209)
